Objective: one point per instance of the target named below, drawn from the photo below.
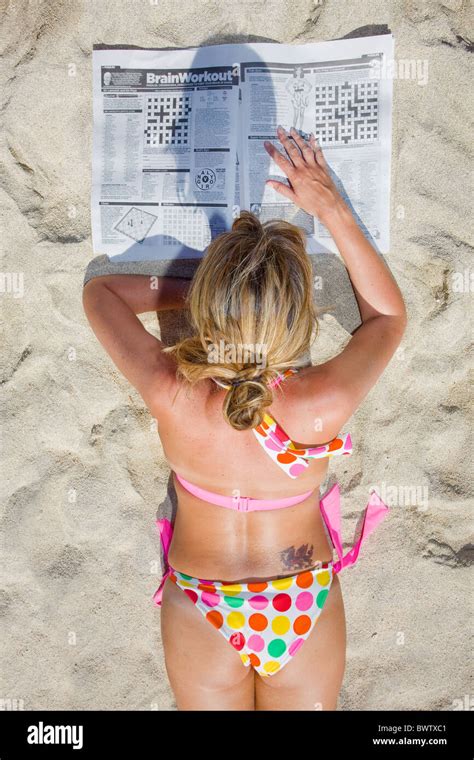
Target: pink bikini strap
(165, 529)
(375, 511)
(282, 376)
(242, 503)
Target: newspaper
(178, 140)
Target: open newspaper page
(164, 152)
(178, 140)
(335, 90)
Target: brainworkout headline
(190, 77)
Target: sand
(84, 476)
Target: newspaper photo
(178, 140)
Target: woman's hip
(265, 620)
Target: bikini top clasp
(242, 503)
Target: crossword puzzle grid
(347, 113)
(187, 225)
(167, 119)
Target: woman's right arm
(357, 368)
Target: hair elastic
(232, 383)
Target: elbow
(403, 317)
(91, 296)
(398, 327)
(87, 293)
(399, 316)
(399, 323)
(395, 325)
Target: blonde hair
(253, 287)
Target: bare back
(213, 542)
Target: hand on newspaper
(311, 185)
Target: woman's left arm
(144, 293)
(111, 304)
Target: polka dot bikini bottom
(267, 621)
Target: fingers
(298, 150)
(283, 162)
(300, 154)
(318, 153)
(306, 150)
(281, 188)
(290, 147)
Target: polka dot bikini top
(293, 459)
